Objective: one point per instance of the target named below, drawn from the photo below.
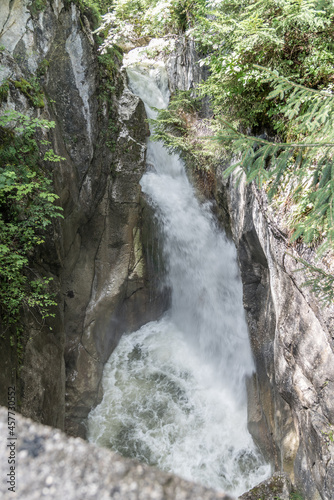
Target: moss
(4, 89)
(109, 63)
(31, 89)
(138, 253)
(108, 89)
(37, 6)
(296, 496)
(42, 68)
(92, 9)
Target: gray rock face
(181, 65)
(278, 486)
(49, 464)
(96, 255)
(41, 381)
(291, 396)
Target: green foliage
(32, 90)
(177, 128)
(100, 6)
(4, 89)
(93, 9)
(37, 6)
(110, 61)
(294, 37)
(329, 433)
(296, 496)
(306, 163)
(42, 68)
(135, 20)
(27, 206)
(172, 125)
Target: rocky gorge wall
(291, 410)
(98, 256)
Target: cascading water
(174, 391)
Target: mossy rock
(4, 89)
(31, 90)
(37, 6)
(277, 487)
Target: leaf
(231, 169)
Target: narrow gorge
(198, 353)
(174, 391)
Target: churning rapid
(174, 391)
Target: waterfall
(174, 391)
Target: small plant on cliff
(37, 6)
(4, 89)
(93, 9)
(178, 128)
(329, 436)
(296, 496)
(173, 125)
(27, 206)
(32, 90)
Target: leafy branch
(320, 282)
(308, 164)
(27, 207)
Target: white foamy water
(174, 391)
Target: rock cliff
(52, 465)
(291, 410)
(97, 255)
